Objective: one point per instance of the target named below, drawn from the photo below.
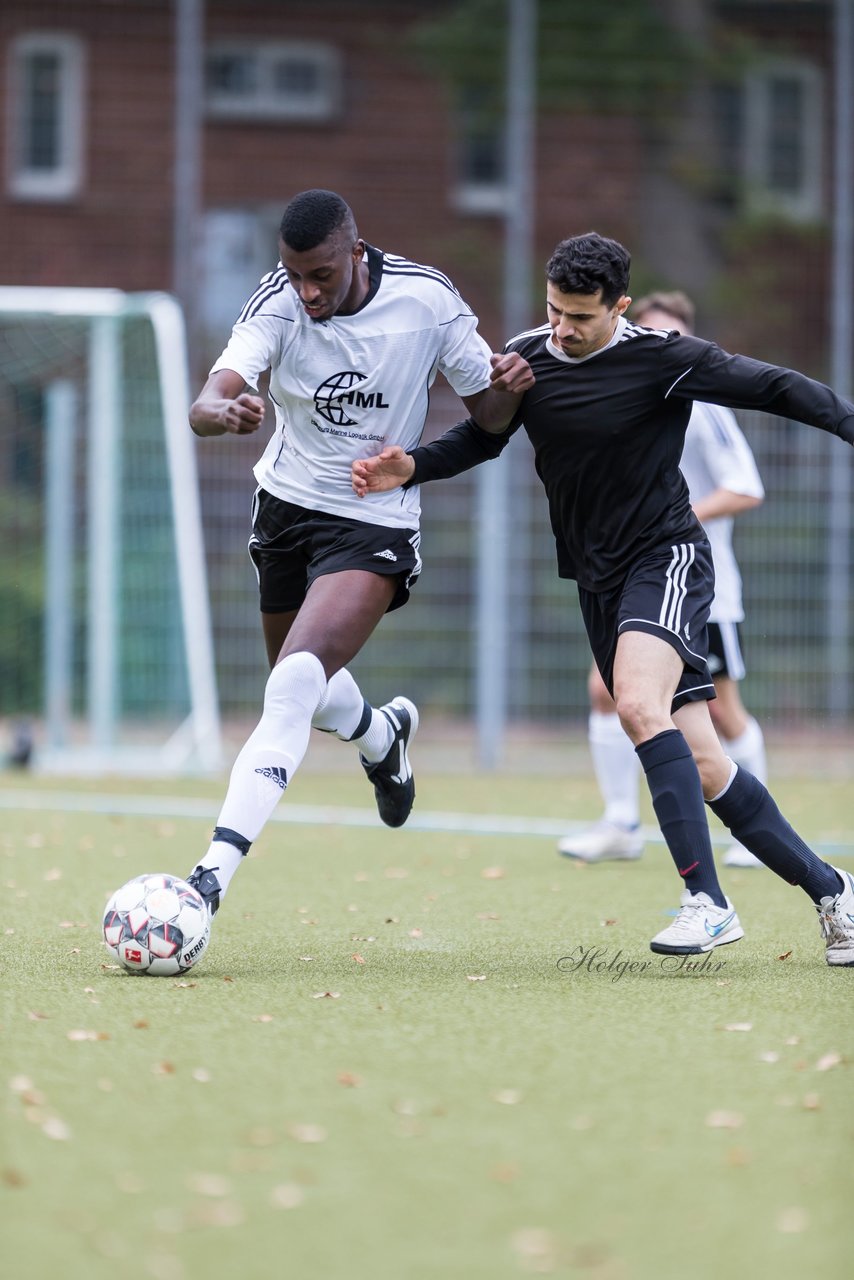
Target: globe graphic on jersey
(328, 395)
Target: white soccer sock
(748, 750)
(223, 859)
(341, 711)
(341, 708)
(617, 768)
(274, 751)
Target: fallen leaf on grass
(475, 977)
(35, 1016)
(326, 995)
(535, 1248)
(287, 1196)
(493, 873)
(508, 1097)
(358, 959)
(349, 1080)
(724, 1120)
(504, 1173)
(769, 1055)
(163, 1068)
(141, 1024)
(738, 1026)
(209, 1184)
(828, 1061)
(83, 1034)
(263, 1017)
(606, 923)
(793, 1220)
(222, 1213)
(261, 1137)
(785, 955)
(308, 1133)
(56, 1129)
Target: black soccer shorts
(290, 546)
(667, 593)
(725, 655)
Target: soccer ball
(157, 924)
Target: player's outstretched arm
(388, 470)
(224, 407)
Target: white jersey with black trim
(717, 456)
(347, 387)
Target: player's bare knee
(640, 720)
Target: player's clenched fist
(511, 372)
(387, 470)
(243, 415)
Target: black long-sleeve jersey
(608, 433)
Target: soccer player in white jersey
(352, 338)
(723, 481)
(607, 415)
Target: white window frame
(64, 180)
(266, 103)
(471, 195)
(762, 197)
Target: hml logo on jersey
(340, 390)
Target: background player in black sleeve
(607, 416)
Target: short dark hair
(588, 263)
(674, 303)
(312, 217)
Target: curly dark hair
(588, 263)
(312, 217)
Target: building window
(298, 81)
(771, 133)
(45, 117)
(480, 186)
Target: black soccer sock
(751, 814)
(677, 798)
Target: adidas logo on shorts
(386, 555)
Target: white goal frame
(197, 743)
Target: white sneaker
(699, 926)
(737, 856)
(602, 842)
(836, 919)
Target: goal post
(127, 676)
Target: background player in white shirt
(723, 481)
(353, 339)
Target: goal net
(106, 654)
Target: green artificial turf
(390, 1063)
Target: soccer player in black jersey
(607, 416)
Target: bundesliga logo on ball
(156, 924)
